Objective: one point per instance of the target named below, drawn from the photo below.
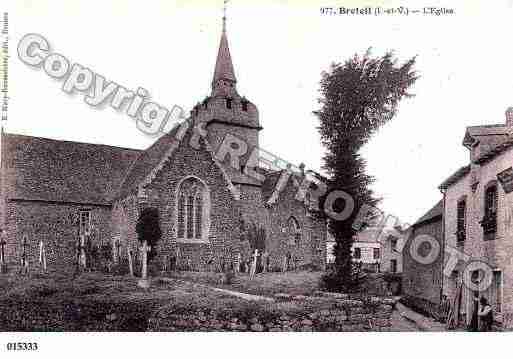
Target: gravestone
(130, 263)
(3, 264)
(265, 262)
(253, 264)
(117, 244)
(144, 282)
(42, 255)
(237, 263)
(172, 263)
(3, 243)
(24, 255)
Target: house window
(460, 225)
(192, 209)
(85, 222)
(229, 103)
(244, 105)
(317, 245)
(393, 265)
(357, 253)
(376, 253)
(489, 222)
(455, 274)
(393, 243)
(294, 229)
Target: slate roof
(433, 213)
(63, 171)
(224, 65)
(488, 136)
(493, 140)
(368, 235)
(495, 151)
(145, 162)
(455, 177)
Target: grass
(265, 284)
(61, 303)
(99, 302)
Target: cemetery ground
(188, 301)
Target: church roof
(224, 66)
(145, 163)
(434, 213)
(63, 171)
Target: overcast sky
(279, 49)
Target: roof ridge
(8, 134)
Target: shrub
(148, 229)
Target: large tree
(356, 98)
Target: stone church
(58, 197)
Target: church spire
(224, 66)
(224, 16)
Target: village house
(422, 282)
(376, 250)
(478, 218)
(59, 197)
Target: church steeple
(225, 111)
(224, 79)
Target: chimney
(509, 116)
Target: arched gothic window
(192, 210)
(294, 229)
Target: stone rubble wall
(321, 312)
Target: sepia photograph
(171, 171)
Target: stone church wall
(311, 248)
(52, 223)
(223, 235)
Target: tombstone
(265, 262)
(253, 264)
(130, 263)
(82, 255)
(172, 263)
(24, 254)
(178, 261)
(42, 255)
(3, 243)
(144, 282)
(237, 263)
(284, 265)
(117, 244)
(297, 262)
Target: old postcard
(254, 167)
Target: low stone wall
(422, 306)
(320, 312)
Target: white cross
(2, 251)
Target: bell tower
(225, 111)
